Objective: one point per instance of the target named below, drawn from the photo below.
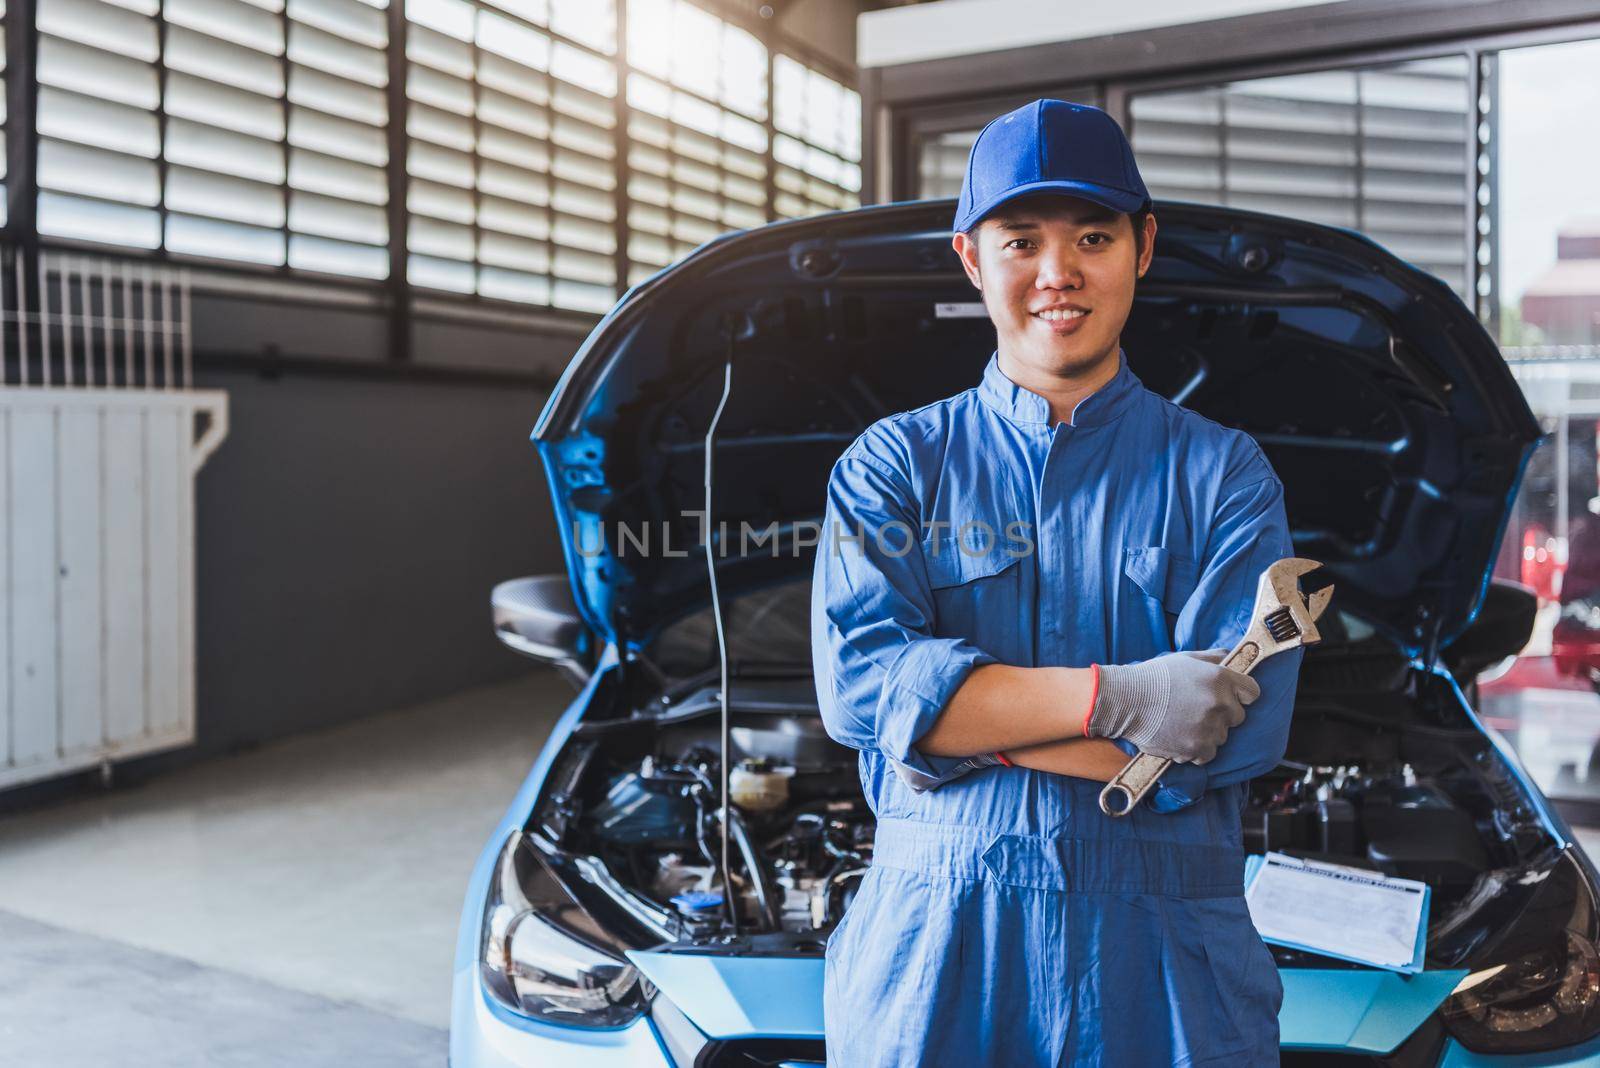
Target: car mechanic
(1006, 920)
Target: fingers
(1225, 715)
(1194, 751)
(1244, 687)
(1219, 733)
(1247, 688)
(1201, 747)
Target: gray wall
(351, 526)
(349, 532)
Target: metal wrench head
(1282, 619)
(1279, 589)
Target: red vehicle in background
(1575, 641)
(1543, 562)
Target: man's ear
(1149, 244)
(967, 249)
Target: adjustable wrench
(1282, 619)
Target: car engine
(1380, 772)
(1390, 821)
(799, 828)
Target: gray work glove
(1176, 705)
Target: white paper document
(1336, 909)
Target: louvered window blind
(698, 144)
(254, 131)
(512, 152)
(818, 145)
(1384, 150)
(217, 128)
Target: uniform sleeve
(1250, 532)
(882, 677)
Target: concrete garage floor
(293, 905)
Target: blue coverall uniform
(1005, 920)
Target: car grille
(761, 1053)
(1421, 1050)
(688, 1047)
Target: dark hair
(1136, 218)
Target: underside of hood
(1384, 406)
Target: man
(1082, 553)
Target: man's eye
(1015, 240)
(1104, 236)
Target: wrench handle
(1243, 657)
(1139, 776)
(1128, 786)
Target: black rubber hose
(765, 890)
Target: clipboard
(1255, 862)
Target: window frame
(914, 96)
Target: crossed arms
(932, 704)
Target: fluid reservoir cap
(758, 786)
(696, 902)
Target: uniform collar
(1022, 405)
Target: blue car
(595, 931)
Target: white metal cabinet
(97, 545)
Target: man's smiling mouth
(1056, 315)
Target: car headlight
(1543, 992)
(541, 953)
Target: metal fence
(68, 319)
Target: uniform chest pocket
(975, 586)
(1165, 577)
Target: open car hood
(1385, 407)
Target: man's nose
(1059, 269)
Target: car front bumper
(484, 1036)
(1584, 1056)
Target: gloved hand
(1177, 705)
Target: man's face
(1040, 261)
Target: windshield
(768, 627)
(771, 628)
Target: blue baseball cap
(1050, 146)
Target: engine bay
(800, 829)
(1383, 771)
